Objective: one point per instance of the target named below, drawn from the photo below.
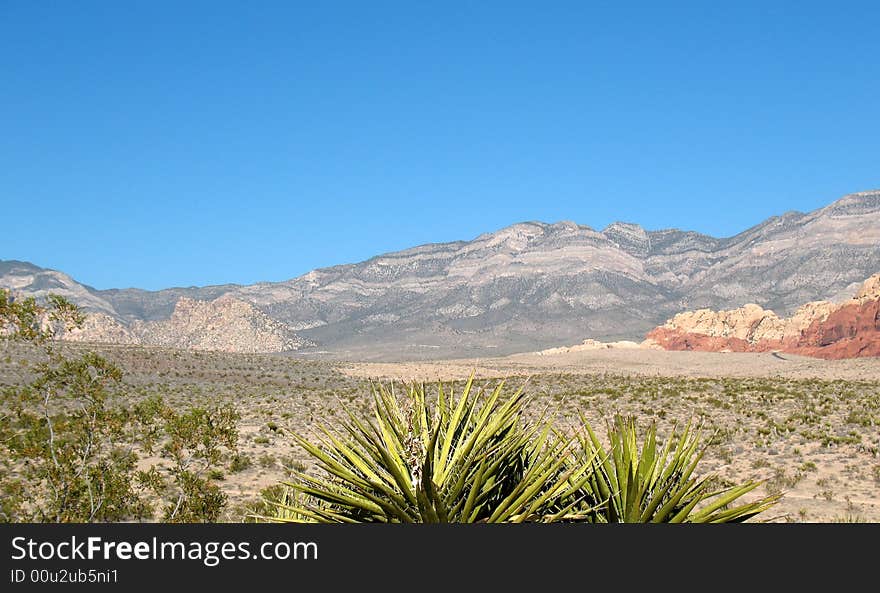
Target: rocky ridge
(533, 285)
(225, 324)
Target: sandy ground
(644, 362)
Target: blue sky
(158, 144)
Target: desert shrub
(69, 447)
(240, 462)
(195, 442)
(61, 438)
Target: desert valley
(769, 339)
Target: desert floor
(808, 427)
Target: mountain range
(525, 287)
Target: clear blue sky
(169, 143)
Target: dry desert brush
(73, 451)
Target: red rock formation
(852, 330)
(818, 329)
(674, 339)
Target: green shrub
(240, 462)
(68, 443)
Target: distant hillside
(532, 285)
(224, 325)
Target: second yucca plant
(658, 483)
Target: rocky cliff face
(534, 285)
(225, 324)
(103, 329)
(851, 330)
(823, 329)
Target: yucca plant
(658, 484)
(468, 459)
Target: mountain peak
(629, 236)
(11, 266)
(516, 235)
(855, 204)
(620, 225)
(566, 225)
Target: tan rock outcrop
(870, 290)
(748, 323)
(226, 324)
(102, 328)
(590, 344)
